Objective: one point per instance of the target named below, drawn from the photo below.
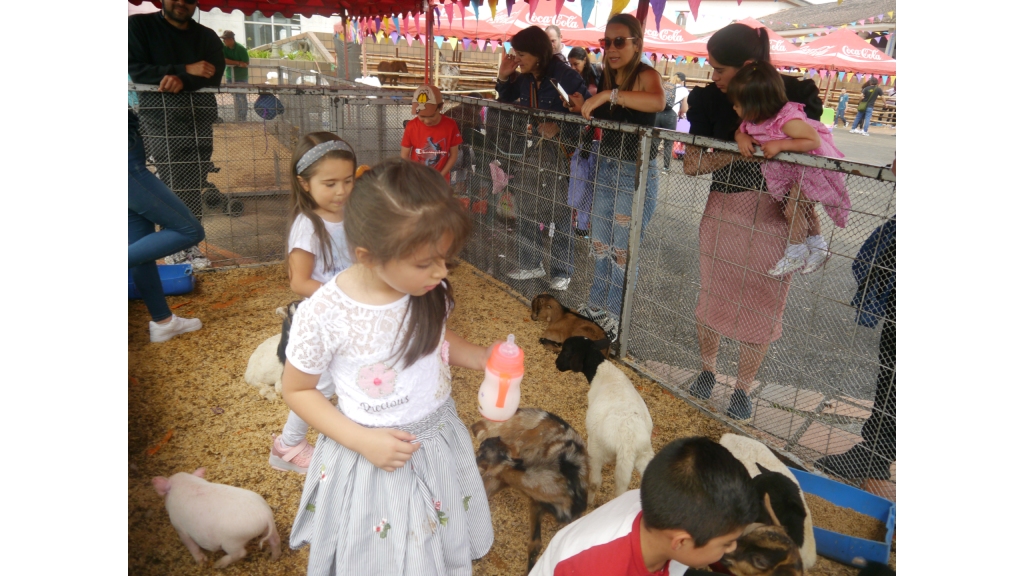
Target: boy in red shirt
(694, 501)
(431, 138)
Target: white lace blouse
(356, 343)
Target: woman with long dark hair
(631, 92)
(743, 232)
(541, 187)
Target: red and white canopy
(841, 50)
(699, 46)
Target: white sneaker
(526, 274)
(168, 330)
(862, 133)
(855, 131)
(794, 259)
(560, 284)
(816, 260)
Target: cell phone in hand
(562, 93)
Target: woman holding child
(743, 232)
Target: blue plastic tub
(176, 279)
(840, 547)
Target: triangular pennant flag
(462, 10)
(465, 43)
(861, 22)
(701, 62)
(394, 37)
(879, 16)
(558, 7)
(587, 6)
(416, 24)
(839, 2)
(408, 38)
(885, 79)
(449, 11)
(453, 42)
(439, 40)
(658, 7)
(394, 20)
(380, 37)
(476, 8)
(678, 58)
(508, 6)
(617, 7)
(842, 75)
(437, 16)
(812, 72)
(377, 22)
(871, 20)
(533, 6)
(648, 54)
(495, 45)
(481, 44)
(859, 76)
(694, 5)
(890, 14)
(508, 47)
(493, 5)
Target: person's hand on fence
(594, 102)
(201, 68)
(772, 148)
(745, 143)
(171, 83)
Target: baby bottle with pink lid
(499, 394)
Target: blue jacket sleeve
(508, 91)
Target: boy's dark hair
(696, 485)
(681, 76)
(535, 42)
(759, 91)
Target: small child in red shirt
(431, 138)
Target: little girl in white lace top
(393, 486)
(323, 173)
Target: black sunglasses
(190, 2)
(618, 42)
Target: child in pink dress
(777, 125)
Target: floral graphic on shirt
(445, 386)
(377, 380)
(323, 472)
(465, 503)
(441, 516)
(382, 528)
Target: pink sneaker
(290, 458)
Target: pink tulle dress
(824, 186)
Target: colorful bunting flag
(841, 76)
(394, 37)
(658, 7)
(481, 44)
(587, 7)
(885, 79)
(890, 14)
(617, 7)
(701, 62)
(694, 5)
(476, 8)
(465, 43)
(453, 42)
(533, 6)
(439, 40)
(508, 6)
(508, 46)
(493, 5)
(449, 11)
(377, 22)
(558, 6)
(408, 39)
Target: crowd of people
(369, 253)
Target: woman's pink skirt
(742, 236)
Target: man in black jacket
(169, 49)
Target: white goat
(619, 425)
(267, 362)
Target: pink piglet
(216, 516)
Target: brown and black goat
(541, 456)
(563, 323)
(771, 547)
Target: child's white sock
(816, 242)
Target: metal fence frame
(370, 121)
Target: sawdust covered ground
(188, 406)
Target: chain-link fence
(227, 153)
(668, 272)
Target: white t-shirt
(681, 93)
(303, 238)
(354, 341)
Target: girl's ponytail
(764, 45)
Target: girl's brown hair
(633, 68)
(758, 89)
(396, 208)
(301, 201)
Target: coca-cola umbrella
(699, 46)
(841, 50)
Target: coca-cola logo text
(779, 45)
(820, 51)
(569, 21)
(864, 53)
(665, 35)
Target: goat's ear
(762, 468)
(760, 561)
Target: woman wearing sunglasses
(631, 92)
(540, 184)
(743, 232)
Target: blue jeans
(863, 118)
(150, 202)
(613, 194)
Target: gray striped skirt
(428, 517)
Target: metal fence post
(633, 252)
